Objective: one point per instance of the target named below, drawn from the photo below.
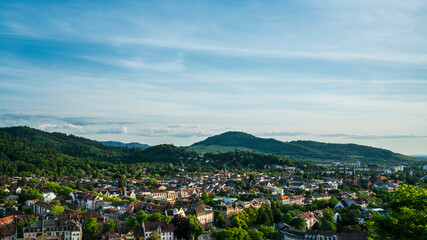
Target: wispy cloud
(302, 69)
(140, 64)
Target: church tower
(345, 177)
(353, 177)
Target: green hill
(308, 150)
(24, 149)
(18, 156)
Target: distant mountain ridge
(120, 144)
(257, 151)
(230, 141)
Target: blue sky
(179, 71)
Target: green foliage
(153, 182)
(195, 229)
(219, 220)
(131, 222)
(20, 228)
(28, 210)
(91, 228)
(254, 234)
(298, 223)
(231, 234)
(60, 190)
(31, 194)
(109, 225)
(34, 218)
(348, 216)
(19, 157)
(56, 202)
(57, 210)
(327, 220)
(181, 225)
(269, 232)
(327, 225)
(235, 141)
(407, 219)
(154, 236)
(158, 217)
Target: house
(345, 202)
(62, 228)
(287, 232)
(113, 236)
(363, 202)
(310, 219)
(11, 198)
(228, 209)
(205, 217)
(49, 196)
(41, 207)
(174, 212)
(165, 230)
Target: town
(330, 201)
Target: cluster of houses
(171, 196)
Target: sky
(180, 71)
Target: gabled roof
(154, 226)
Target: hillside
(24, 149)
(308, 150)
(18, 156)
(79, 147)
(120, 144)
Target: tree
(254, 234)
(91, 228)
(252, 215)
(219, 220)
(34, 218)
(277, 215)
(10, 204)
(22, 181)
(326, 221)
(195, 229)
(31, 194)
(158, 217)
(20, 228)
(181, 225)
(269, 232)
(237, 222)
(333, 201)
(327, 225)
(57, 210)
(298, 223)
(121, 183)
(109, 225)
(231, 234)
(154, 236)
(349, 216)
(131, 222)
(407, 218)
(287, 218)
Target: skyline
(168, 72)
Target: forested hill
(24, 149)
(18, 156)
(231, 141)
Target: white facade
(48, 197)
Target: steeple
(353, 178)
(345, 178)
(225, 172)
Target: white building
(165, 230)
(49, 196)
